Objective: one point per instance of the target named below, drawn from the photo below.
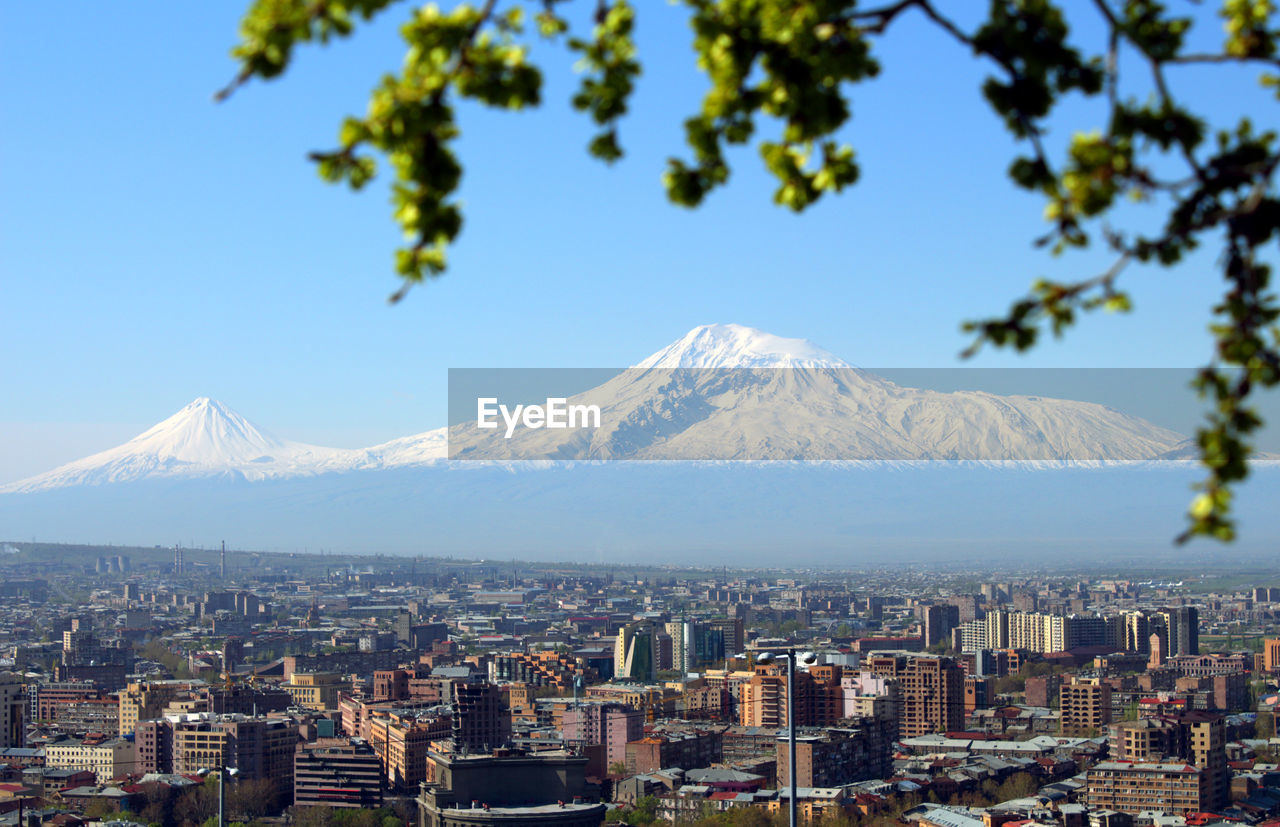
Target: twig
(1223, 58)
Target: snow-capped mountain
(721, 392)
(735, 346)
(726, 392)
(205, 438)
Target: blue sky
(156, 246)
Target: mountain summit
(735, 346)
(205, 432)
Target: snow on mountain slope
(819, 413)
(205, 438)
(419, 449)
(735, 346)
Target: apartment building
(685, 750)
(153, 743)
(13, 703)
(479, 721)
(931, 691)
(1271, 655)
(316, 690)
(610, 725)
(257, 747)
(401, 739)
(1085, 705)
(148, 700)
(337, 772)
(1134, 787)
(834, 757)
(106, 758)
(819, 696)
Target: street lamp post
(790, 657)
(223, 774)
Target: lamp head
(809, 658)
(765, 657)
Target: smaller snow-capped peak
(205, 438)
(205, 432)
(736, 346)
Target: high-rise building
(932, 691)
(938, 621)
(680, 633)
(979, 692)
(1271, 655)
(967, 606)
(1137, 632)
(1205, 736)
(337, 772)
(1039, 632)
(153, 743)
(636, 653)
(695, 643)
(232, 653)
(260, 748)
(401, 740)
(1085, 705)
(732, 635)
(610, 725)
(1181, 630)
(79, 646)
(479, 723)
(13, 702)
(818, 701)
(1042, 690)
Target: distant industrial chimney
(223, 566)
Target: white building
(107, 758)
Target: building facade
(1133, 788)
(337, 772)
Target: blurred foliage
(792, 64)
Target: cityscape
(705, 413)
(185, 686)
